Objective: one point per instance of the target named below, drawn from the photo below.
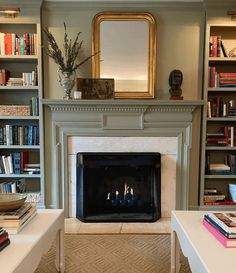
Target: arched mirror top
(126, 43)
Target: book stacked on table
(15, 221)
(4, 239)
(222, 225)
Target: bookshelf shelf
(219, 121)
(20, 175)
(26, 147)
(220, 148)
(21, 63)
(222, 119)
(227, 176)
(221, 89)
(18, 58)
(19, 87)
(20, 117)
(218, 207)
(222, 59)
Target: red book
(227, 75)
(24, 159)
(219, 203)
(3, 237)
(214, 46)
(8, 43)
(4, 76)
(226, 242)
(228, 82)
(218, 104)
(218, 46)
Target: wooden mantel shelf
(123, 105)
(123, 102)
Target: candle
(77, 95)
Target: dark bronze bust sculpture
(175, 81)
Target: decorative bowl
(232, 191)
(11, 201)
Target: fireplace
(79, 126)
(114, 187)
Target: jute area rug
(114, 253)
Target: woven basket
(14, 110)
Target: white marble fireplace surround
(122, 125)
(166, 146)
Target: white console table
(205, 254)
(26, 248)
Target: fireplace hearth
(114, 187)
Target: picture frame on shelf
(96, 88)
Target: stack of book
(15, 221)
(224, 137)
(222, 225)
(4, 239)
(32, 168)
(218, 169)
(213, 195)
(227, 79)
(15, 82)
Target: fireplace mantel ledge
(122, 105)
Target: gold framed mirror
(126, 42)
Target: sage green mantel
(150, 118)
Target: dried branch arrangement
(67, 61)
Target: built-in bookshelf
(218, 168)
(21, 121)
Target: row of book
(224, 137)
(228, 167)
(4, 238)
(220, 79)
(18, 163)
(13, 186)
(14, 44)
(14, 221)
(222, 225)
(219, 47)
(27, 78)
(19, 135)
(219, 107)
(19, 186)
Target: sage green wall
(180, 42)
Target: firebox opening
(114, 187)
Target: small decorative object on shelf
(67, 81)
(232, 191)
(96, 88)
(77, 95)
(67, 61)
(175, 81)
(11, 201)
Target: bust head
(175, 81)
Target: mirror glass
(126, 43)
